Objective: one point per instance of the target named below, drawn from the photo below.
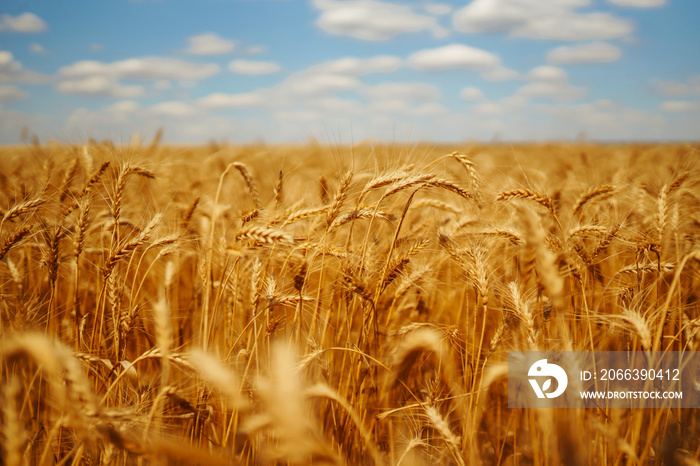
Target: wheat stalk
(22, 208)
(279, 189)
(187, 216)
(469, 167)
(87, 188)
(243, 169)
(264, 235)
(597, 192)
(529, 194)
(340, 197)
(14, 239)
(544, 259)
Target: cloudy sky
(345, 70)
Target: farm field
(315, 304)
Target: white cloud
(471, 93)
(387, 106)
(173, 108)
(318, 84)
(538, 19)
(123, 106)
(358, 66)
(186, 83)
(402, 91)
(680, 106)
(13, 123)
(515, 102)
(8, 63)
(13, 71)
(427, 109)
(639, 3)
(99, 86)
(452, 57)
(141, 68)
(515, 119)
(255, 49)
(120, 116)
(499, 74)
(313, 96)
(547, 73)
(312, 85)
(221, 100)
(209, 44)
(675, 88)
(297, 115)
(604, 120)
(593, 52)
(490, 108)
(253, 67)
(37, 49)
(100, 79)
(7, 60)
(373, 20)
(513, 105)
(560, 91)
(8, 92)
(487, 16)
(549, 82)
(331, 95)
(347, 120)
(334, 105)
(162, 84)
(437, 9)
(575, 27)
(26, 22)
(125, 118)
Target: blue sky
(346, 70)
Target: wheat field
(336, 305)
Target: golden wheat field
(336, 305)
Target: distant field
(336, 305)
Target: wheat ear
(340, 197)
(243, 169)
(14, 239)
(590, 195)
(529, 194)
